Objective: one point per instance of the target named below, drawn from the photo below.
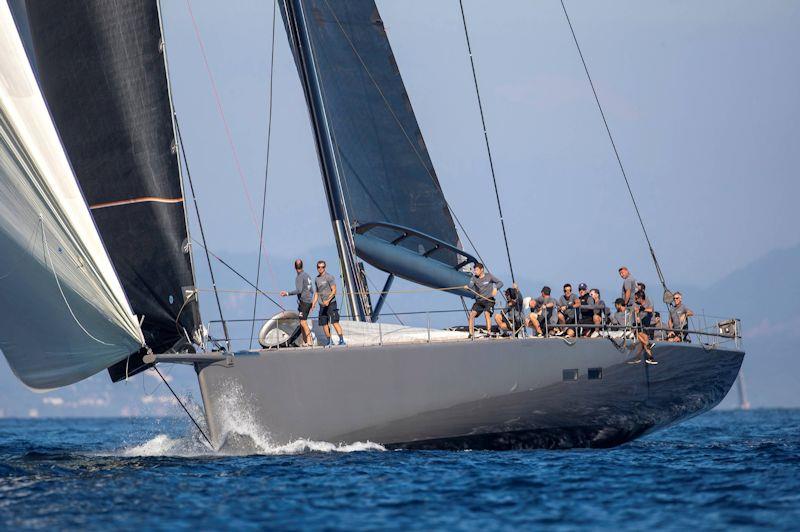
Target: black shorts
(483, 305)
(304, 309)
(646, 325)
(329, 314)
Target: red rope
(228, 134)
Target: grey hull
(490, 394)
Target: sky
(701, 98)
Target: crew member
(567, 304)
(484, 285)
(629, 286)
(510, 318)
(585, 309)
(678, 319)
(541, 311)
(643, 313)
(304, 293)
(593, 312)
(328, 310)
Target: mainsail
(101, 67)
(63, 313)
(383, 170)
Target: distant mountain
(765, 295)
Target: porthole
(570, 374)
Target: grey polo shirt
(568, 301)
(678, 313)
(484, 285)
(302, 288)
(621, 318)
(325, 284)
(628, 284)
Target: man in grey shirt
(485, 286)
(541, 311)
(566, 310)
(598, 309)
(629, 286)
(304, 293)
(326, 296)
(678, 319)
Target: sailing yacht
(98, 269)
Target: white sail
(63, 313)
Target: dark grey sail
(101, 68)
(385, 175)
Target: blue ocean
(721, 470)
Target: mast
(356, 292)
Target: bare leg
(498, 319)
(488, 323)
(327, 330)
(306, 332)
(472, 323)
(338, 329)
(645, 341)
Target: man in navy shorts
(326, 296)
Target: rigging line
(242, 277)
(614, 146)
(58, 283)
(196, 424)
(266, 170)
(221, 111)
(387, 301)
(486, 138)
(200, 225)
(402, 129)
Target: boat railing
(706, 330)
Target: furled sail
(63, 312)
(383, 167)
(101, 67)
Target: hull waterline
(491, 394)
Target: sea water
(720, 470)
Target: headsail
(101, 68)
(63, 313)
(383, 165)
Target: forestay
(63, 312)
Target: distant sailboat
(102, 69)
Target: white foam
(240, 435)
(164, 445)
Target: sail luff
(63, 312)
(102, 70)
(294, 14)
(385, 173)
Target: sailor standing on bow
(484, 285)
(326, 296)
(304, 293)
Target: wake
(241, 435)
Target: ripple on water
(724, 469)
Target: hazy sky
(701, 97)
